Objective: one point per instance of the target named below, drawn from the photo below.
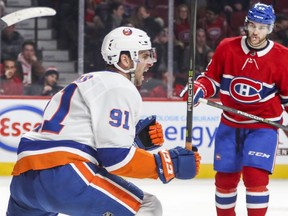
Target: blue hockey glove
(149, 133)
(177, 162)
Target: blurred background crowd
(40, 57)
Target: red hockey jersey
(248, 80)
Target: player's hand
(199, 92)
(176, 163)
(149, 133)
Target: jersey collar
(260, 53)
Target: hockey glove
(199, 92)
(177, 162)
(149, 133)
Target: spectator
(235, 11)
(160, 43)
(95, 30)
(202, 49)
(47, 86)
(215, 26)
(94, 25)
(280, 31)
(116, 16)
(182, 24)
(11, 43)
(10, 84)
(142, 19)
(32, 69)
(230, 6)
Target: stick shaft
(241, 113)
(191, 76)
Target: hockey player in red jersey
(90, 136)
(250, 74)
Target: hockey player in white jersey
(90, 136)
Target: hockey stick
(24, 14)
(241, 113)
(191, 76)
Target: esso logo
(16, 120)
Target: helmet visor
(148, 56)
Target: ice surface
(189, 197)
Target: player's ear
(125, 61)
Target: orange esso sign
(15, 121)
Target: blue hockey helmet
(261, 13)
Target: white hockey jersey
(92, 119)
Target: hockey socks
(257, 201)
(225, 202)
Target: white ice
(189, 197)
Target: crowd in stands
(216, 19)
(21, 71)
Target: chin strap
(131, 71)
(132, 77)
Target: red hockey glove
(149, 133)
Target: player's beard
(257, 42)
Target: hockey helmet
(261, 13)
(128, 39)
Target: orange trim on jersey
(109, 187)
(45, 161)
(142, 165)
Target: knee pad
(227, 181)
(255, 178)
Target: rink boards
(20, 114)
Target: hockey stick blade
(24, 14)
(241, 113)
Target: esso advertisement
(16, 118)
(12, 127)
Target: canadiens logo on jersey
(245, 90)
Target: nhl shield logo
(108, 214)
